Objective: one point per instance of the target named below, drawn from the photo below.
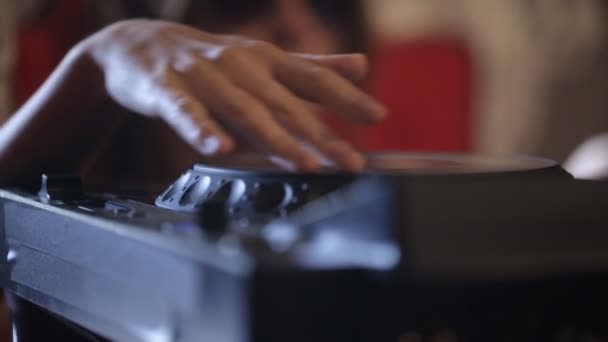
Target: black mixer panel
(475, 248)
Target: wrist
(83, 74)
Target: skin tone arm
(215, 92)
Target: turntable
(475, 247)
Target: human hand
(217, 91)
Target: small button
(60, 188)
(137, 214)
(116, 208)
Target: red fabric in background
(42, 44)
(427, 87)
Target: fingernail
(353, 160)
(357, 163)
(378, 110)
(214, 145)
(310, 164)
(346, 156)
(227, 145)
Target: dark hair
(344, 16)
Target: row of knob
(191, 191)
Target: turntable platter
(454, 163)
(252, 181)
(406, 164)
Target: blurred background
(497, 76)
(517, 76)
(538, 71)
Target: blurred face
(294, 26)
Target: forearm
(57, 128)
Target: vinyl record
(405, 163)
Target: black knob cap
(212, 216)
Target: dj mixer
(416, 247)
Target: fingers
(324, 86)
(352, 66)
(253, 90)
(298, 118)
(177, 106)
(247, 115)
